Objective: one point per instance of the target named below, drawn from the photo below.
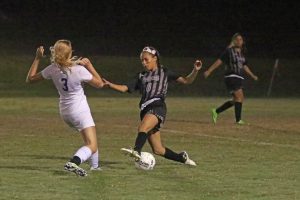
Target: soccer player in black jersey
(153, 85)
(235, 67)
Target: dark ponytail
(244, 49)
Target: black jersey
(234, 63)
(152, 84)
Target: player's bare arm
(250, 73)
(192, 76)
(96, 81)
(32, 75)
(120, 88)
(213, 67)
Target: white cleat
(188, 161)
(96, 169)
(132, 153)
(72, 167)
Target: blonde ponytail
(61, 54)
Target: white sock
(94, 160)
(83, 153)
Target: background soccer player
(153, 85)
(235, 66)
(68, 77)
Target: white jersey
(69, 86)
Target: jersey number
(65, 82)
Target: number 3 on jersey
(65, 83)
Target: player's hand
(206, 74)
(198, 65)
(85, 62)
(39, 52)
(255, 78)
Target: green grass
(257, 161)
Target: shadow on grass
(112, 164)
(45, 157)
(23, 167)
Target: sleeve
(172, 76)
(84, 74)
(245, 62)
(47, 72)
(133, 84)
(225, 56)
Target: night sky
(184, 28)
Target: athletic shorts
(160, 111)
(233, 84)
(79, 121)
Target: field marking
(224, 138)
(234, 139)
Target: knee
(159, 151)
(93, 147)
(239, 99)
(143, 128)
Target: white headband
(147, 49)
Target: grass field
(257, 161)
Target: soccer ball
(147, 161)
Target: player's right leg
(149, 121)
(222, 108)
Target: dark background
(112, 34)
(176, 28)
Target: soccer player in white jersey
(68, 75)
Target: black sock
(225, 106)
(171, 155)
(140, 141)
(76, 160)
(238, 110)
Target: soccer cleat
(214, 115)
(96, 169)
(132, 153)
(72, 167)
(241, 122)
(188, 161)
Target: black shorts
(233, 84)
(160, 111)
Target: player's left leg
(85, 152)
(238, 104)
(158, 149)
(94, 159)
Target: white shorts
(79, 121)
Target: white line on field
(234, 139)
(225, 138)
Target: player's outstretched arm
(33, 76)
(214, 66)
(249, 72)
(192, 76)
(120, 88)
(96, 81)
